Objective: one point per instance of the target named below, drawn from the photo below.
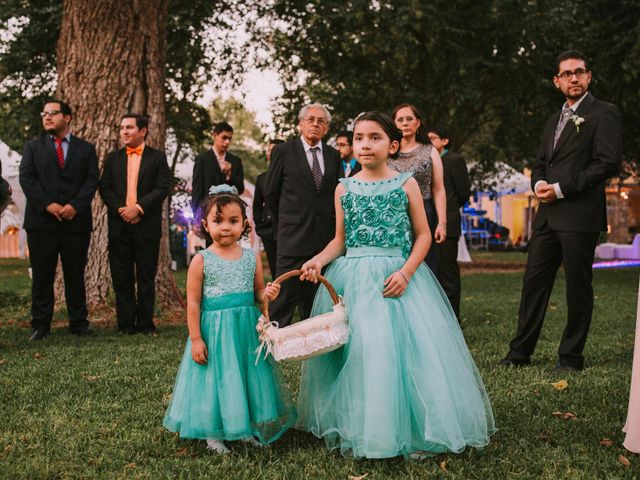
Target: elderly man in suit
(581, 148)
(59, 176)
(300, 186)
(135, 181)
(216, 166)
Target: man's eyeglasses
(567, 74)
(50, 113)
(317, 121)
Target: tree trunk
(111, 61)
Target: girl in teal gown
(220, 393)
(405, 384)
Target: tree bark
(111, 61)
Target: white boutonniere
(577, 121)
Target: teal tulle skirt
(406, 381)
(230, 397)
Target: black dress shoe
(38, 334)
(127, 331)
(563, 368)
(507, 362)
(83, 331)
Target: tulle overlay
(406, 381)
(229, 398)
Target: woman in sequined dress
(417, 155)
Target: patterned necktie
(564, 118)
(315, 168)
(59, 152)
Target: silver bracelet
(403, 276)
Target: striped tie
(59, 152)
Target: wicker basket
(307, 338)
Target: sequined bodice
(376, 214)
(228, 276)
(419, 162)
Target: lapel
(302, 163)
(570, 128)
(144, 163)
(51, 151)
(73, 143)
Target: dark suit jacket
(262, 216)
(457, 188)
(355, 170)
(304, 217)
(44, 183)
(206, 172)
(581, 163)
(154, 181)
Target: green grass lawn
(92, 408)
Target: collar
(352, 162)
(308, 147)
(66, 138)
(218, 154)
(575, 106)
(444, 152)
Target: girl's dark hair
(386, 123)
(421, 133)
(218, 201)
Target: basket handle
(296, 273)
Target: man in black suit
(216, 166)
(458, 189)
(300, 188)
(348, 166)
(59, 176)
(581, 148)
(135, 181)
(262, 216)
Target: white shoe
(419, 455)
(217, 446)
(254, 442)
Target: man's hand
(546, 193)
(130, 214)
(54, 209)
(226, 169)
(68, 212)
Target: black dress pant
(270, 248)
(293, 292)
(44, 248)
(133, 259)
(547, 250)
(449, 271)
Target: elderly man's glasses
(316, 121)
(578, 72)
(50, 113)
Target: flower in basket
(577, 121)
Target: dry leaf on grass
(361, 477)
(38, 355)
(443, 465)
(560, 385)
(182, 452)
(606, 442)
(3, 361)
(91, 378)
(624, 460)
(130, 465)
(565, 416)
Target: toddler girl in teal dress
(405, 384)
(220, 393)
